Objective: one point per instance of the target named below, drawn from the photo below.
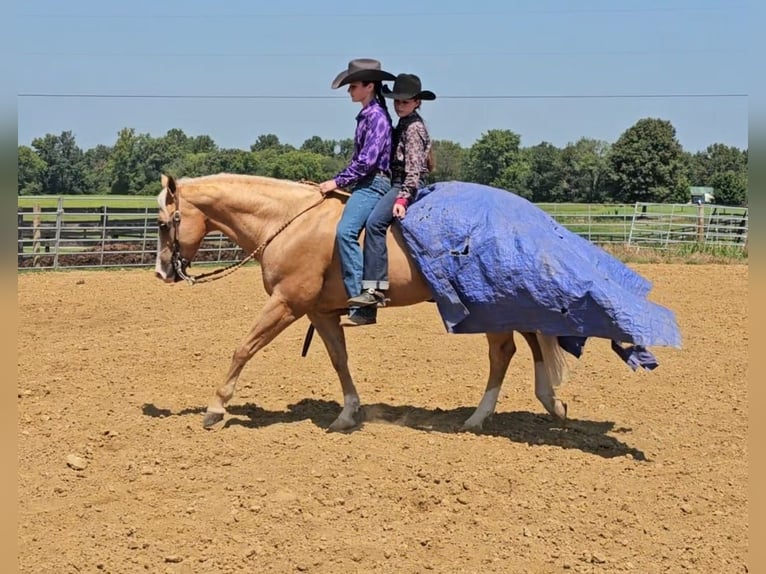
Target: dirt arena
(115, 370)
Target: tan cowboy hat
(407, 87)
(361, 70)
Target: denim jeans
(375, 274)
(365, 195)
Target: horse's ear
(168, 183)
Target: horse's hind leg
(275, 317)
(501, 350)
(550, 371)
(328, 327)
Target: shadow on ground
(517, 426)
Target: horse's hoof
(343, 423)
(211, 419)
(473, 427)
(560, 410)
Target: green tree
(647, 164)
(270, 141)
(65, 172)
(516, 176)
(126, 164)
(546, 181)
(730, 188)
(346, 149)
(491, 159)
(201, 144)
(96, 162)
(725, 169)
(230, 161)
(138, 160)
(717, 158)
(586, 170)
(171, 148)
(448, 160)
(317, 145)
(294, 165)
(31, 171)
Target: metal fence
(87, 237)
(656, 225)
(661, 226)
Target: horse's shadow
(518, 426)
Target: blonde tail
(555, 363)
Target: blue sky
(531, 66)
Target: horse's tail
(554, 359)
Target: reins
(180, 263)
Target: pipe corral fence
(96, 237)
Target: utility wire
(51, 95)
(423, 54)
(430, 13)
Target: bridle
(181, 263)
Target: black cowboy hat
(362, 70)
(407, 87)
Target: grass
(87, 201)
(691, 253)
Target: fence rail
(87, 237)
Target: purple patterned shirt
(372, 146)
(409, 158)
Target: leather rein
(180, 263)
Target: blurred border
(8, 193)
(757, 276)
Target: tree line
(646, 163)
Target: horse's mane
(248, 180)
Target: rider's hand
(327, 186)
(399, 210)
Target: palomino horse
(289, 228)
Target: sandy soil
(115, 369)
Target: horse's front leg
(275, 317)
(501, 350)
(328, 327)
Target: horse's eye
(163, 225)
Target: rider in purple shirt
(368, 174)
(372, 146)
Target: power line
(524, 53)
(49, 95)
(431, 13)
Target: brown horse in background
(289, 228)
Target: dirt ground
(115, 370)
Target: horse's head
(182, 228)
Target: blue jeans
(365, 195)
(375, 274)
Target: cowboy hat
(361, 70)
(407, 87)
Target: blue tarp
(497, 262)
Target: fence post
(20, 248)
(146, 232)
(59, 223)
(700, 223)
(36, 235)
(633, 223)
(104, 223)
